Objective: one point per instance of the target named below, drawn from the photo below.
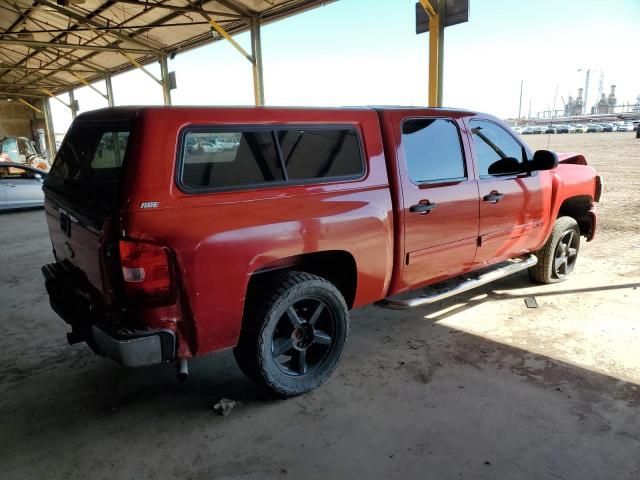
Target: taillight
(598, 193)
(146, 271)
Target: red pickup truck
(183, 231)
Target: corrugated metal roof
(44, 44)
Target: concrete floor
(478, 386)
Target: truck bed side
(221, 240)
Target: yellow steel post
(434, 53)
(228, 37)
(24, 102)
(48, 128)
(255, 59)
(256, 49)
(137, 64)
(86, 83)
(52, 95)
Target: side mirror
(543, 160)
(37, 176)
(505, 166)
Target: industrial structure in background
(576, 106)
(606, 104)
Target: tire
(293, 341)
(557, 258)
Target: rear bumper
(90, 323)
(136, 349)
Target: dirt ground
(478, 386)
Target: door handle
(493, 197)
(422, 208)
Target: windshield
(89, 163)
(25, 147)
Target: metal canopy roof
(51, 46)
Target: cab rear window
(225, 159)
(88, 166)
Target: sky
(366, 52)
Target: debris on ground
(415, 344)
(225, 406)
(531, 302)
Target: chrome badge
(149, 204)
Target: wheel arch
(336, 266)
(579, 207)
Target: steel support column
(436, 35)
(107, 82)
(72, 104)
(441, 17)
(48, 128)
(256, 52)
(164, 73)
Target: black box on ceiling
(455, 12)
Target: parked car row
(577, 128)
(206, 144)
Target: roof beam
(60, 69)
(22, 18)
(19, 94)
(90, 15)
(89, 21)
(177, 8)
(231, 5)
(73, 46)
(113, 27)
(31, 86)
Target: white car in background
(208, 147)
(625, 127)
(227, 143)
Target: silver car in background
(20, 186)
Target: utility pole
(520, 103)
(586, 92)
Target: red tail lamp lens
(146, 272)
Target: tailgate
(81, 196)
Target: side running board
(468, 284)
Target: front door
(511, 204)
(440, 202)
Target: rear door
(511, 205)
(440, 201)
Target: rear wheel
(557, 259)
(293, 342)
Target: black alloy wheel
(566, 254)
(292, 340)
(303, 336)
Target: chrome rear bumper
(136, 349)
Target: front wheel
(294, 342)
(557, 258)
